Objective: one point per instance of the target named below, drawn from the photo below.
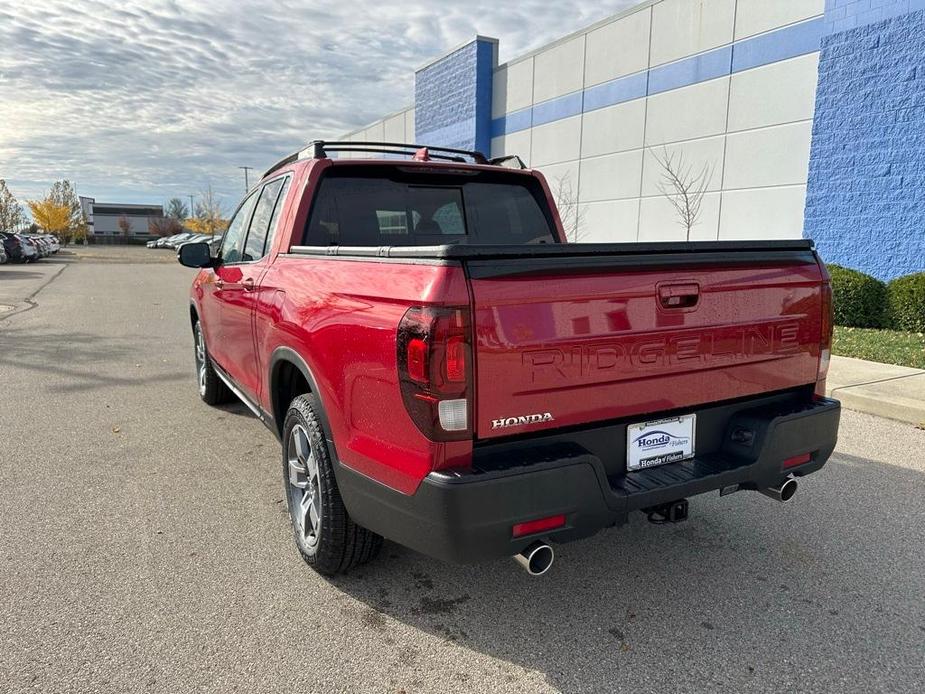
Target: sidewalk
(897, 392)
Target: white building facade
(722, 92)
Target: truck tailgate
(574, 339)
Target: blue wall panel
(616, 91)
(557, 109)
(512, 122)
(787, 42)
(698, 68)
(865, 203)
(453, 98)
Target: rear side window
(390, 206)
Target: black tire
(212, 389)
(338, 544)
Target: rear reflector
(798, 460)
(538, 526)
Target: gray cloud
(152, 99)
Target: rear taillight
(825, 338)
(435, 370)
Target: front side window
(234, 237)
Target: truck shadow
(746, 593)
(80, 361)
(10, 274)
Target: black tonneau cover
(459, 251)
(484, 261)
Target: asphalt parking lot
(144, 546)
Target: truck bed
(599, 340)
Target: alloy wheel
(201, 359)
(304, 487)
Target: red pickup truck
(444, 370)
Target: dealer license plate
(657, 443)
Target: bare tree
(208, 214)
(164, 226)
(125, 226)
(684, 185)
(570, 212)
(11, 212)
(176, 209)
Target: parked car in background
(22, 248)
(162, 242)
(30, 250)
(176, 243)
(195, 238)
(2, 255)
(53, 242)
(183, 238)
(12, 246)
(41, 245)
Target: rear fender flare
(283, 355)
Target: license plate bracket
(663, 441)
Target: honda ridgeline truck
(444, 370)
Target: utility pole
(191, 213)
(247, 186)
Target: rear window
(391, 206)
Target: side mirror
(195, 255)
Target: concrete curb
(895, 392)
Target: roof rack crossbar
(443, 157)
(317, 149)
(357, 146)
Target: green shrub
(860, 300)
(907, 302)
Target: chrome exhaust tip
(783, 492)
(536, 558)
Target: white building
(729, 87)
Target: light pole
(191, 214)
(246, 184)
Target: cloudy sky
(141, 101)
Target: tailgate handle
(679, 295)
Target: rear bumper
(464, 517)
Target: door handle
(248, 283)
(684, 295)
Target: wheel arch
(290, 376)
